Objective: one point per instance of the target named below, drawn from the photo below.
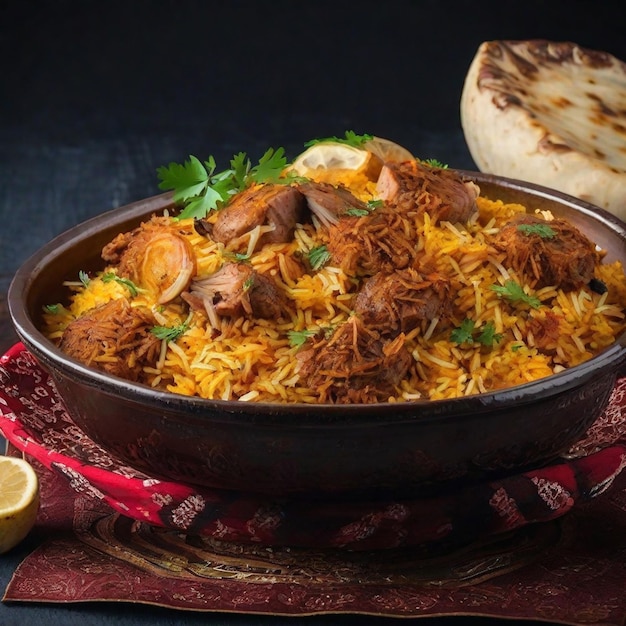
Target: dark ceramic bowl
(289, 450)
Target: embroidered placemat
(572, 570)
(103, 543)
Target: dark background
(94, 96)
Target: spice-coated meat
(235, 290)
(355, 364)
(278, 207)
(381, 241)
(414, 187)
(559, 255)
(330, 203)
(114, 337)
(399, 301)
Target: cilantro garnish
(542, 230)
(370, 206)
(318, 257)
(240, 257)
(109, 276)
(201, 190)
(248, 283)
(297, 338)
(488, 335)
(356, 212)
(350, 138)
(435, 163)
(83, 277)
(52, 308)
(514, 292)
(170, 333)
(465, 333)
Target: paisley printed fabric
(35, 421)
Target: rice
(253, 360)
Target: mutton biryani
(354, 274)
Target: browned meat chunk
(329, 203)
(382, 241)
(155, 257)
(278, 206)
(399, 301)
(441, 193)
(236, 290)
(355, 365)
(546, 253)
(114, 338)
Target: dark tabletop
(94, 96)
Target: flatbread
(551, 113)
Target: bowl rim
(55, 361)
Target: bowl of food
(343, 325)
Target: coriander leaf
(488, 335)
(83, 277)
(110, 276)
(463, 333)
(297, 338)
(248, 283)
(356, 212)
(202, 205)
(514, 292)
(270, 166)
(52, 308)
(370, 206)
(542, 230)
(435, 163)
(200, 189)
(318, 257)
(188, 180)
(169, 334)
(240, 257)
(240, 167)
(350, 138)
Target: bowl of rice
(373, 327)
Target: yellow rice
(253, 360)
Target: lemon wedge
(19, 501)
(387, 150)
(330, 155)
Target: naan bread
(550, 113)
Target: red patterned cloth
(34, 420)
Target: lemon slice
(19, 501)
(387, 150)
(330, 155)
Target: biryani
(355, 274)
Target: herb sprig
(297, 338)
(200, 189)
(111, 276)
(545, 231)
(171, 333)
(350, 138)
(515, 293)
(318, 257)
(466, 333)
(435, 163)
